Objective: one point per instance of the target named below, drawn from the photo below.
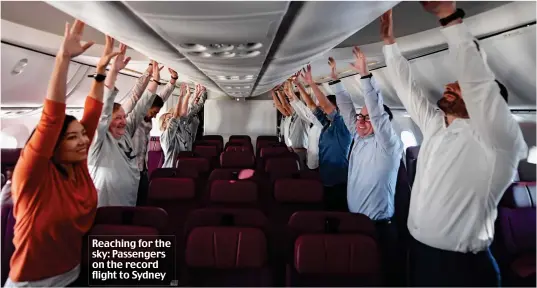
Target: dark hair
(503, 91)
(332, 99)
(387, 109)
(116, 107)
(157, 102)
(68, 119)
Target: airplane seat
(200, 164)
(332, 249)
(232, 174)
(8, 225)
(213, 137)
(219, 145)
(153, 217)
(240, 138)
(210, 152)
(412, 163)
(273, 152)
(185, 154)
(233, 194)
(516, 226)
(174, 173)
(262, 143)
(237, 159)
(281, 167)
(227, 247)
(526, 171)
(241, 147)
(268, 138)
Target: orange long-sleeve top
(52, 212)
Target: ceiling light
(235, 78)
(221, 47)
(229, 87)
(373, 63)
(249, 77)
(19, 67)
(246, 87)
(222, 77)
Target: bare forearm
(184, 105)
(177, 110)
(58, 82)
(306, 97)
(324, 103)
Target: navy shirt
(334, 146)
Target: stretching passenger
(469, 152)
(54, 195)
(140, 140)
(334, 142)
(112, 158)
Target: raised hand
(156, 71)
(386, 28)
(440, 9)
(108, 52)
(121, 61)
(184, 88)
(306, 75)
(360, 63)
(332, 64)
(288, 89)
(71, 46)
(172, 72)
(149, 69)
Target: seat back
(238, 147)
(412, 162)
(154, 160)
(235, 159)
(219, 145)
(235, 138)
(227, 247)
(332, 249)
(283, 167)
(9, 158)
(292, 195)
(200, 164)
(174, 173)
(152, 217)
(232, 193)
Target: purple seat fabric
(240, 138)
(516, 233)
(227, 247)
(233, 159)
(332, 249)
(412, 162)
(153, 161)
(152, 217)
(174, 173)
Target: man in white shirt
(469, 152)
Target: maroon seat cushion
(524, 265)
(236, 159)
(202, 165)
(298, 191)
(172, 188)
(231, 191)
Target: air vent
(234, 78)
(220, 47)
(193, 47)
(249, 46)
(200, 54)
(224, 54)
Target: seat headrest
(136, 216)
(10, 157)
(183, 172)
(219, 216)
(231, 191)
(226, 247)
(237, 159)
(317, 221)
(199, 163)
(519, 195)
(526, 171)
(282, 165)
(172, 188)
(298, 191)
(336, 254)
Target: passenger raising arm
(380, 120)
(139, 88)
(54, 196)
(408, 90)
(490, 116)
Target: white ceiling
(285, 35)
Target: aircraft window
(532, 155)
(408, 139)
(7, 141)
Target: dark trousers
(435, 267)
(393, 274)
(143, 189)
(335, 198)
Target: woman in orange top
(55, 200)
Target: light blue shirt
(374, 159)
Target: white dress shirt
(463, 169)
(295, 132)
(313, 129)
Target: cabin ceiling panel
(317, 28)
(226, 39)
(115, 19)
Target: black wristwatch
(158, 82)
(98, 77)
(459, 13)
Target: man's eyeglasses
(360, 117)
